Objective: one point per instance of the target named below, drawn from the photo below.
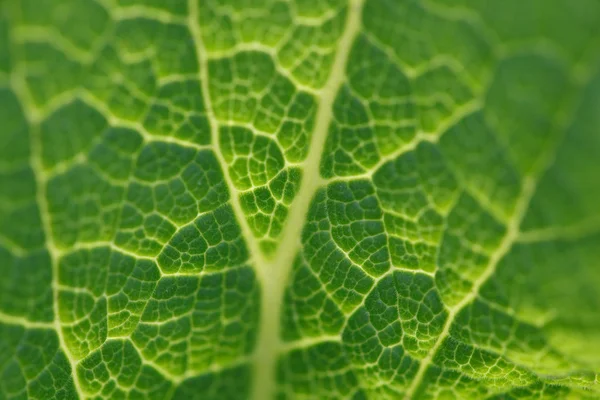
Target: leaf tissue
(299, 199)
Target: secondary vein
(202, 57)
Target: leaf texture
(299, 199)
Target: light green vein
(202, 55)
(274, 275)
(33, 118)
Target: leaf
(365, 199)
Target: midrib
(273, 273)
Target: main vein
(274, 275)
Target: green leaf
(302, 199)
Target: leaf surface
(361, 199)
